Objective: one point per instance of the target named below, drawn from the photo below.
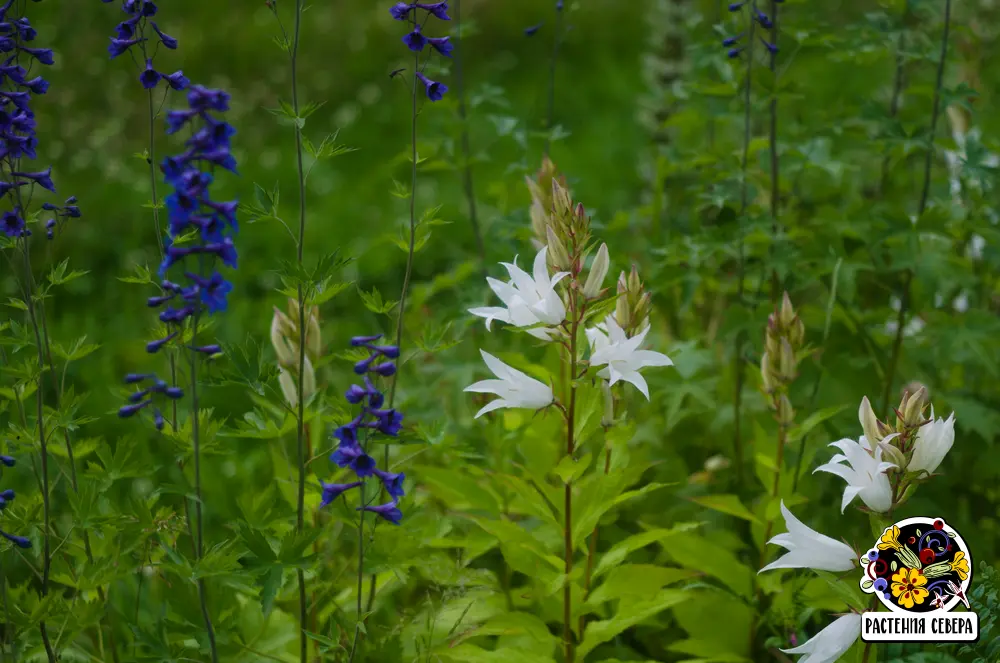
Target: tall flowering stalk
(904, 305)
(743, 45)
(18, 141)
(463, 118)
(303, 448)
(202, 228)
(354, 440)
(567, 307)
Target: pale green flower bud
(558, 258)
(598, 271)
(765, 373)
(282, 329)
(608, 418)
(869, 422)
(787, 361)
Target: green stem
(303, 316)
(551, 109)
(361, 575)
(199, 546)
(738, 367)
(470, 196)
(904, 302)
(406, 274)
(568, 491)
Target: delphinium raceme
(743, 45)
(354, 442)
(202, 229)
(568, 307)
(18, 141)
(140, 37)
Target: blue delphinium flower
(18, 135)
(353, 437)
(6, 497)
(416, 41)
(755, 16)
(139, 30)
(197, 226)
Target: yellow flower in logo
(908, 587)
(960, 565)
(889, 539)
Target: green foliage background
(656, 162)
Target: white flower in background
(515, 389)
(933, 442)
(808, 549)
(864, 472)
(528, 301)
(831, 643)
(620, 355)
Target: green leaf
(600, 632)
(846, 590)
(570, 468)
(621, 550)
(729, 504)
(695, 552)
(636, 581)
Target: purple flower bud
(729, 41)
(158, 421)
(358, 341)
(390, 351)
(208, 349)
(734, 53)
(8, 461)
(736, 6)
(127, 411)
(173, 392)
(769, 46)
(393, 483)
(19, 541)
(332, 491)
(135, 378)
(7, 495)
(532, 30)
(385, 369)
(355, 393)
(387, 511)
(154, 346)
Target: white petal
(633, 377)
(832, 642)
(541, 269)
(487, 387)
(649, 358)
(492, 405)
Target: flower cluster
(913, 449)
(18, 136)
(756, 17)
(198, 226)
(533, 303)
(6, 497)
(134, 31)
(353, 437)
(416, 41)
